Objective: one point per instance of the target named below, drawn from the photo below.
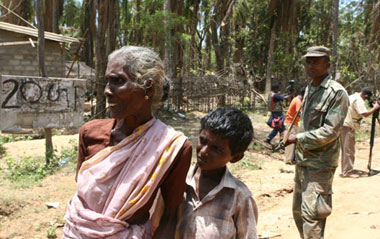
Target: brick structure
(30, 101)
(19, 57)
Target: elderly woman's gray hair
(143, 63)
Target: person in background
(324, 109)
(351, 124)
(276, 120)
(126, 161)
(294, 107)
(218, 205)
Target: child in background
(218, 205)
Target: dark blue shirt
(278, 97)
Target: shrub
(31, 170)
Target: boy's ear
(236, 157)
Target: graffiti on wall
(41, 102)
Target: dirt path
(356, 213)
(356, 207)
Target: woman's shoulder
(97, 125)
(187, 146)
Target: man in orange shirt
(294, 106)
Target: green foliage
(12, 138)
(71, 14)
(2, 149)
(15, 137)
(243, 106)
(362, 135)
(257, 146)
(296, 24)
(246, 163)
(51, 232)
(30, 170)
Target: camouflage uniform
(324, 109)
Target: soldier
(324, 109)
(352, 123)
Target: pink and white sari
(118, 181)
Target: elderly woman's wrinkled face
(124, 97)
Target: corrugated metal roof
(34, 32)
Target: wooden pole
(41, 64)
(76, 56)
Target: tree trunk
(217, 31)
(101, 57)
(57, 8)
(89, 23)
(239, 44)
(55, 16)
(193, 31)
(138, 23)
(335, 11)
(41, 63)
(178, 50)
(113, 19)
(217, 48)
(369, 5)
(124, 11)
(268, 80)
(374, 49)
(169, 59)
(208, 51)
(23, 10)
(48, 15)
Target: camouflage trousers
(312, 201)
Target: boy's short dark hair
(232, 124)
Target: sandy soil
(356, 213)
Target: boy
(218, 205)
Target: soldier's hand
(292, 139)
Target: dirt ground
(356, 212)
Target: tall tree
(335, 35)
(220, 33)
(101, 57)
(89, 24)
(374, 46)
(138, 23)
(57, 6)
(168, 60)
(113, 25)
(194, 52)
(14, 10)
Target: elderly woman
(124, 161)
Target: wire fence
(205, 95)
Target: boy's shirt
(227, 211)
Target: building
(19, 52)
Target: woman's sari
(119, 180)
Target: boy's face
(213, 151)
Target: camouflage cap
(317, 51)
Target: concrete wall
(23, 59)
(36, 102)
